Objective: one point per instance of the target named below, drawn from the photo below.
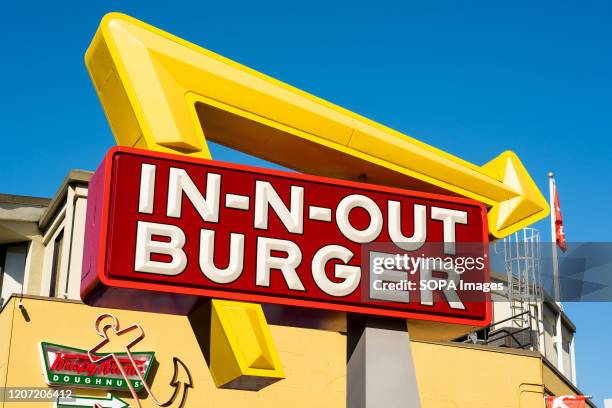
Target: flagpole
(553, 235)
(555, 265)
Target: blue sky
(474, 78)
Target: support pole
(380, 369)
(555, 265)
(553, 234)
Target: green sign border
(48, 373)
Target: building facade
(513, 363)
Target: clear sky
(474, 78)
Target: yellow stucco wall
(6, 319)
(314, 361)
(462, 376)
(449, 375)
(554, 383)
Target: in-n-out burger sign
(163, 231)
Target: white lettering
(145, 246)
(180, 182)
(380, 277)
(449, 218)
(343, 210)
(147, 189)
(419, 235)
(266, 262)
(266, 196)
(350, 274)
(449, 287)
(236, 257)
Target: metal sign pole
(380, 370)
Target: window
(12, 269)
(568, 337)
(57, 264)
(550, 333)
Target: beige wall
(449, 375)
(465, 376)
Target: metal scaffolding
(523, 262)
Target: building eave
(73, 177)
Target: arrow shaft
(404, 157)
(430, 164)
(331, 123)
(83, 402)
(205, 76)
(367, 143)
(323, 120)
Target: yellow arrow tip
(114, 15)
(527, 206)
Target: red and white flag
(559, 232)
(567, 401)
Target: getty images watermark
(470, 272)
(381, 264)
(459, 273)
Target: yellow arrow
(163, 93)
(236, 362)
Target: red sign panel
(164, 231)
(568, 401)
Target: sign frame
(96, 286)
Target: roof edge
(73, 177)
